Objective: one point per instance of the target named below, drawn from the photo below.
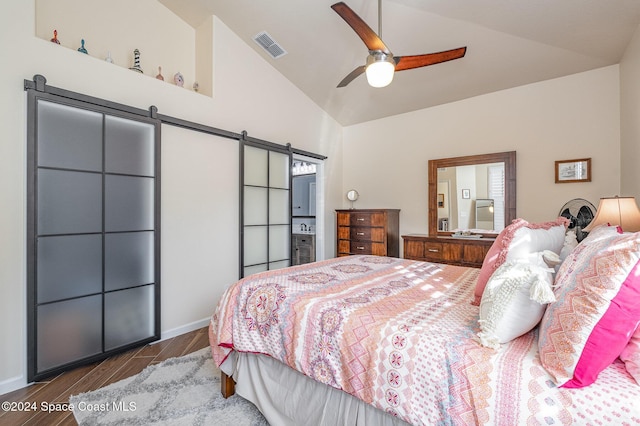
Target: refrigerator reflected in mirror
(484, 214)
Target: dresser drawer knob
(360, 233)
(360, 248)
(433, 250)
(361, 219)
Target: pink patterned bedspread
(400, 335)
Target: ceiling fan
(381, 64)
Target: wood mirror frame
(509, 160)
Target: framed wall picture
(573, 170)
(440, 201)
(466, 194)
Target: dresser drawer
(367, 234)
(433, 251)
(367, 219)
(346, 247)
(361, 247)
(360, 219)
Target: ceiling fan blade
(352, 76)
(417, 61)
(368, 36)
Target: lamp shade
(622, 211)
(380, 70)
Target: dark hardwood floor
(58, 389)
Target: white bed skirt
(289, 398)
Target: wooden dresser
(370, 231)
(455, 251)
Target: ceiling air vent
(268, 44)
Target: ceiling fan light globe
(380, 71)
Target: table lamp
(622, 211)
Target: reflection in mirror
(473, 194)
(485, 210)
(472, 198)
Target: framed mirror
(472, 194)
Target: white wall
(630, 124)
(565, 118)
(199, 223)
(199, 193)
(120, 26)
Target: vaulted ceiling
(509, 43)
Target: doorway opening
(307, 210)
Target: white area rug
(179, 391)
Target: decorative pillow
(631, 355)
(570, 242)
(513, 300)
(594, 237)
(517, 241)
(597, 309)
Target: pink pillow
(631, 356)
(597, 309)
(518, 241)
(495, 257)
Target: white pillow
(536, 237)
(513, 302)
(570, 242)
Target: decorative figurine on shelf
(196, 86)
(81, 49)
(55, 37)
(136, 62)
(109, 58)
(159, 76)
(178, 79)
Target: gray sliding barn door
(265, 216)
(93, 270)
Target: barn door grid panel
(265, 212)
(93, 261)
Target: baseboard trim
(12, 384)
(169, 334)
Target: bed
(372, 340)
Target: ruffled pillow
(518, 241)
(631, 356)
(597, 309)
(514, 299)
